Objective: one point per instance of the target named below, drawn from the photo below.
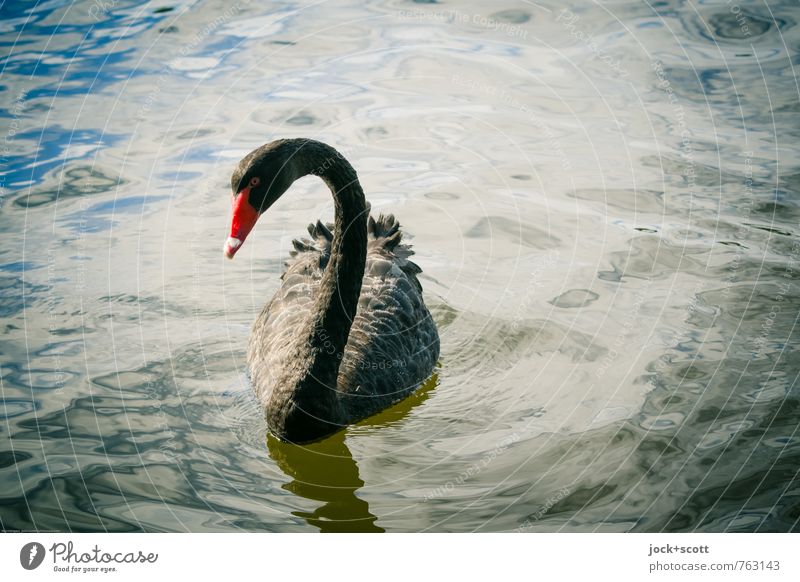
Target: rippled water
(604, 200)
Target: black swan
(348, 333)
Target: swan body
(347, 334)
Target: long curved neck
(325, 337)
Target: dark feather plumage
(393, 343)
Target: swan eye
(255, 181)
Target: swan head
(260, 178)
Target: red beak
(243, 221)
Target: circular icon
(31, 555)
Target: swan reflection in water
(325, 471)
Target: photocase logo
(31, 555)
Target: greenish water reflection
(325, 471)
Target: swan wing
(273, 342)
(393, 343)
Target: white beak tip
(231, 246)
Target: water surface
(604, 200)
